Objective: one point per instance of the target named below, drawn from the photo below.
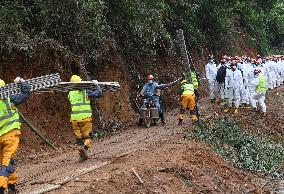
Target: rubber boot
(227, 110)
(161, 115)
(79, 141)
(196, 123)
(82, 150)
(140, 122)
(154, 122)
(83, 155)
(236, 111)
(86, 151)
(2, 190)
(12, 189)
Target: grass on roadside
(243, 149)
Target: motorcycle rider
(152, 89)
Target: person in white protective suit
(271, 74)
(281, 70)
(268, 73)
(211, 73)
(260, 87)
(233, 84)
(277, 69)
(247, 75)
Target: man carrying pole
(10, 135)
(81, 116)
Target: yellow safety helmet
(2, 83)
(183, 82)
(75, 78)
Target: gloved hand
(95, 82)
(19, 80)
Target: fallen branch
(81, 172)
(137, 175)
(264, 184)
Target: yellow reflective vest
(194, 79)
(262, 84)
(9, 117)
(80, 105)
(187, 89)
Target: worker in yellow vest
(10, 135)
(187, 101)
(195, 81)
(81, 116)
(259, 83)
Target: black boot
(180, 121)
(161, 114)
(140, 122)
(196, 123)
(79, 141)
(2, 190)
(12, 189)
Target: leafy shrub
(244, 150)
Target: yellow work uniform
(82, 131)
(188, 101)
(9, 142)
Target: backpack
(221, 74)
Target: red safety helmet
(150, 77)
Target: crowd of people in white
(243, 81)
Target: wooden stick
(137, 175)
(37, 132)
(69, 178)
(47, 189)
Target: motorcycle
(149, 112)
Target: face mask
(150, 81)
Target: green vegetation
(244, 150)
(141, 29)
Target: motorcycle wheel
(147, 118)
